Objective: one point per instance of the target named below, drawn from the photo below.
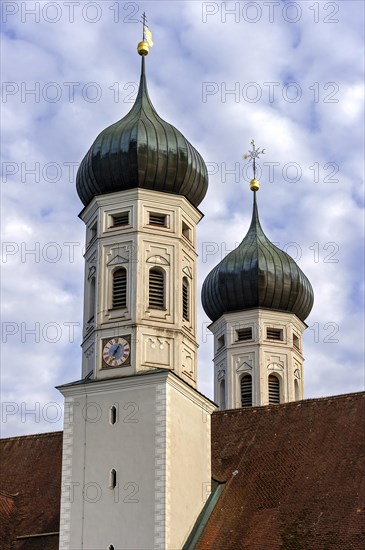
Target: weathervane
(144, 47)
(253, 155)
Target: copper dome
(142, 150)
(257, 274)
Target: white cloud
(311, 133)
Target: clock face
(116, 352)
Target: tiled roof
(294, 476)
(293, 473)
(30, 481)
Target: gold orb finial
(144, 46)
(254, 184)
(253, 155)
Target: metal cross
(144, 23)
(253, 155)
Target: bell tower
(136, 451)
(140, 272)
(258, 299)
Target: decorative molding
(297, 374)
(276, 366)
(244, 362)
(160, 467)
(89, 352)
(244, 367)
(188, 272)
(92, 259)
(66, 484)
(157, 351)
(92, 271)
(221, 374)
(188, 362)
(117, 260)
(157, 259)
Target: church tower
(258, 299)
(136, 452)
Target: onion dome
(142, 150)
(257, 274)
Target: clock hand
(115, 352)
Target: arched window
(156, 288)
(222, 394)
(246, 391)
(92, 299)
(110, 547)
(113, 479)
(274, 390)
(120, 288)
(185, 299)
(296, 390)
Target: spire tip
(253, 155)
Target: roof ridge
(30, 436)
(308, 401)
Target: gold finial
(144, 46)
(253, 155)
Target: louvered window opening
(274, 390)
(296, 341)
(185, 299)
(120, 288)
(156, 289)
(246, 391)
(121, 219)
(274, 334)
(158, 219)
(244, 334)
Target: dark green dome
(257, 274)
(142, 150)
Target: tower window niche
(112, 415)
(246, 391)
(274, 390)
(113, 479)
(274, 334)
(296, 390)
(110, 547)
(222, 394)
(120, 219)
(92, 299)
(120, 288)
(185, 299)
(159, 220)
(296, 341)
(156, 288)
(244, 334)
(221, 342)
(93, 231)
(186, 231)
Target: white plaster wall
(160, 449)
(123, 516)
(258, 357)
(138, 247)
(188, 460)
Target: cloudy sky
(289, 74)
